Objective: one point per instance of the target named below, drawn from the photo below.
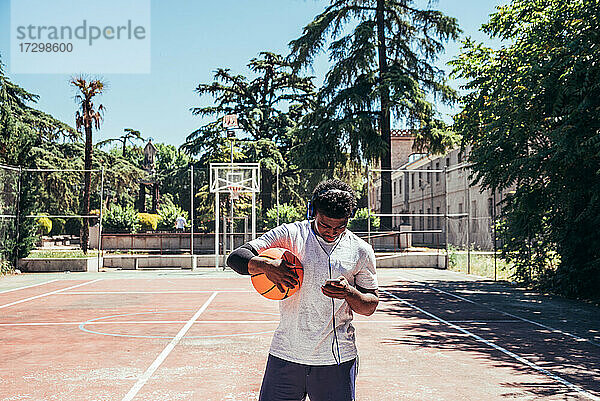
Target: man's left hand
(339, 290)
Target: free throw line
(527, 362)
(47, 293)
(163, 355)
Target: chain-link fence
(9, 209)
(432, 209)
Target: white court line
(163, 355)
(576, 337)
(149, 292)
(88, 323)
(28, 286)
(572, 386)
(47, 293)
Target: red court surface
(436, 335)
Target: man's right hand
(276, 270)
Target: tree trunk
(266, 190)
(384, 121)
(87, 183)
(141, 201)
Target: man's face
(329, 229)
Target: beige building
(438, 199)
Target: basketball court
(204, 335)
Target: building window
(460, 157)
(399, 186)
(473, 209)
(437, 174)
(429, 219)
(412, 183)
(448, 161)
(491, 207)
(394, 188)
(438, 219)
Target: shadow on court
(560, 337)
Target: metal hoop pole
(217, 230)
(192, 212)
(368, 205)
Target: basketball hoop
(234, 192)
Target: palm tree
(130, 135)
(87, 117)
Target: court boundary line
(151, 292)
(88, 322)
(172, 322)
(521, 359)
(28, 286)
(566, 333)
(48, 293)
(165, 352)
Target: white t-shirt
(305, 333)
(180, 222)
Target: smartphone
(332, 281)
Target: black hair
(334, 198)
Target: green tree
(22, 128)
(382, 70)
(531, 117)
(267, 106)
(88, 118)
(130, 135)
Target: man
(307, 355)
(180, 223)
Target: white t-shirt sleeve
(279, 237)
(366, 277)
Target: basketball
(265, 287)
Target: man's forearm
(362, 303)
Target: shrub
(5, 267)
(58, 226)
(73, 226)
(359, 222)
(45, 224)
(287, 214)
(168, 213)
(148, 221)
(119, 219)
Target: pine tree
(383, 54)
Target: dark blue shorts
(290, 381)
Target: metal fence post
(447, 259)
(100, 260)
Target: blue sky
(189, 40)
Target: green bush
(168, 213)
(359, 222)
(119, 219)
(287, 214)
(73, 226)
(148, 221)
(45, 224)
(58, 226)
(5, 267)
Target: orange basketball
(265, 287)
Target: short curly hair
(334, 198)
